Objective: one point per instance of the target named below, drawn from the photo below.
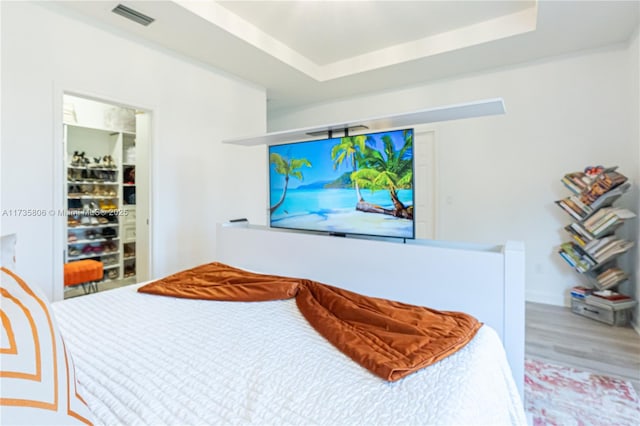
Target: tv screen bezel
(338, 233)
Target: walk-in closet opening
(106, 151)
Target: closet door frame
(59, 178)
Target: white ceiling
(306, 52)
(326, 32)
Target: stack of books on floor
(579, 292)
(605, 306)
(609, 299)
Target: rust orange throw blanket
(391, 339)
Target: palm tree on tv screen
(287, 168)
(391, 170)
(346, 152)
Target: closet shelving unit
(99, 218)
(594, 249)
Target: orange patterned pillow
(37, 376)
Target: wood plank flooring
(555, 334)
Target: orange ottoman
(82, 272)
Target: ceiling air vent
(133, 15)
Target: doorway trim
(59, 175)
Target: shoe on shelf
(74, 191)
(74, 251)
(108, 233)
(129, 250)
(72, 237)
(85, 160)
(74, 203)
(75, 159)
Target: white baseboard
(546, 298)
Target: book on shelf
(578, 229)
(581, 181)
(571, 210)
(593, 255)
(610, 179)
(579, 239)
(576, 257)
(572, 186)
(605, 218)
(576, 207)
(581, 210)
(594, 245)
(597, 217)
(605, 182)
(607, 198)
(584, 254)
(585, 209)
(610, 278)
(611, 249)
(607, 228)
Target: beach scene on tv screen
(353, 185)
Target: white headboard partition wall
(484, 281)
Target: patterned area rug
(556, 395)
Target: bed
(147, 359)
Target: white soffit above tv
(480, 108)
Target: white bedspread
(145, 359)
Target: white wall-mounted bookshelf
(480, 108)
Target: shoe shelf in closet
(94, 190)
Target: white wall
(498, 176)
(634, 77)
(44, 52)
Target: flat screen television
(360, 185)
